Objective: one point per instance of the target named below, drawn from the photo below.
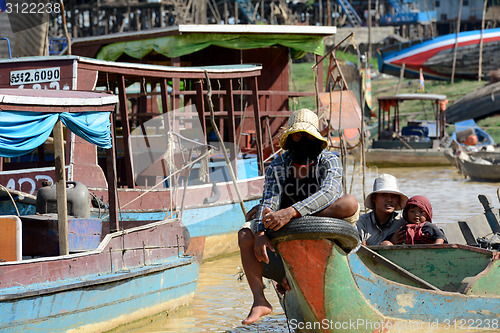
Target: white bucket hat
(303, 120)
(386, 183)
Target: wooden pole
(456, 43)
(65, 27)
(369, 32)
(480, 69)
(222, 146)
(401, 76)
(362, 137)
(329, 13)
(62, 204)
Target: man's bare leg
(341, 208)
(253, 272)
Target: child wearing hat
(420, 229)
(305, 180)
(383, 220)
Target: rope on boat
(226, 157)
(11, 198)
(208, 152)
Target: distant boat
(480, 166)
(478, 104)
(435, 56)
(402, 143)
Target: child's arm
(439, 241)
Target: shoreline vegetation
(384, 85)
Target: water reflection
(222, 300)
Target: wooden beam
(232, 126)
(112, 181)
(258, 125)
(127, 146)
(60, 178)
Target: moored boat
(408, 143)
(435, 56)
(338, 288)
(480, 166)
(65, 273)
(150, 97)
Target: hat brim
(303, 127)
(402, 201)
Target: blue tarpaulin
(21, 132)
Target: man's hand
(276, 220)
(252, 213)
(399, 236)
(261, 243)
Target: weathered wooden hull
(404, 157)
(479, 172)
(132, 274)
(354, 293)
(435, 56)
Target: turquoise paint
(215, 220)
(97, 303)
(410, 303)
(7, 208)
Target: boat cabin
(190, 45)
(414, 134)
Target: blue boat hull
(131, 275)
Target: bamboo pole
(480, 69)
(362, 138)
(401, 75)
(223, 147)
(66, 33)
(456, 43)
(62, 204)
(369, 32)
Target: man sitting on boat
(375, 226)
(305, 180)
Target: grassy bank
(302, 79)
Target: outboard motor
(78, 197)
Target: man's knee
(347, 205)
(245, 238)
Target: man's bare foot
(256, 312)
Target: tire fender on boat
(314, 227)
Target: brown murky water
(222, 300)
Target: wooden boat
(212, 209)
(63, 273)
(418, 288)
(435, 56)
(478, 104)
(480, 166)
(414, 143)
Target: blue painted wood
(215, 220)
(132, 273)
(97, 301)
(410, 303)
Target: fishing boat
(159, 108)
(480, 166)
(435, 56)
(409, 142)
(63, 272)
(339, 287)
(478, 104)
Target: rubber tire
(314, 227)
